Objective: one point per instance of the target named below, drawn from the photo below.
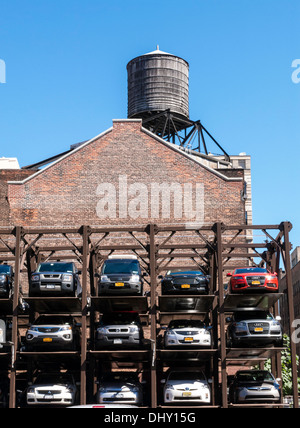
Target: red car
(253, 279)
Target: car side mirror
(160, 277)
(79, 272)
(210, 381)
(145, 274)
(278, 318)
(163, 381)
(97, 275)
(278, 380)
(228, 319)
(229, 274)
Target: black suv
(188, 282)
(52, 332)
(119, 329)
(55, 279)
(121, 275)
(6, 281)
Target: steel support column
(289, 284)
(12, 395)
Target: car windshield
(186, 324)
(188, 272)
(120, 318)
(255, 376)
(53, 320)
(4, 269)
(50, 379)
(252, 315)
(120, 377)
(187, 376)
(120, 266)
(55, 267)
(250, 270)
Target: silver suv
(254, 328)
(121, 388)
(55, 279)
(121, 275)
(119, 329)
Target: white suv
(184, 386)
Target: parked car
(52, 389)
(121, 275)
(6, 281)
(187, 333)
(186, 386)
(5, 334)
(52, 332)
(119, 329)
(254, 328)
(253, 279)
(187, 282)
(55, 279)
(254, 386)
(121, 388)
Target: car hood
(120, 385)
(52, 386)
(187, 384)
(265, 384)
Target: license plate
(117, 341)
(255, 282)
(186, 394)
(185, 286)
(258, 329)
(50, 286)
(188, 339)
(119, 284)
(47, 339)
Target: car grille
(49, 330)
(264, 325)
(181, 281)
(51, 276)
(48, 392)
(261, 279)
(118, 330)
(186, 333)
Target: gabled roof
(160, 140)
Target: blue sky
(66, 79)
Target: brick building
(127, 175)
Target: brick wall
(125, 160)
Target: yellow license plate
(119, 284)
(258, 329)
(186, 394)
(185, 286)
(255, 282)
(188, 339)
(47, 339)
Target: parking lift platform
(106, 304)
(264, 302)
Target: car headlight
(66, 328)
(136, 389)
(30, 390)
(135, 278)
(2, 277)
(134, 329)
(104, 278)
(170, 387)
(67, 277)
(170, 332)
(35, 277)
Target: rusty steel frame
(210, 249)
